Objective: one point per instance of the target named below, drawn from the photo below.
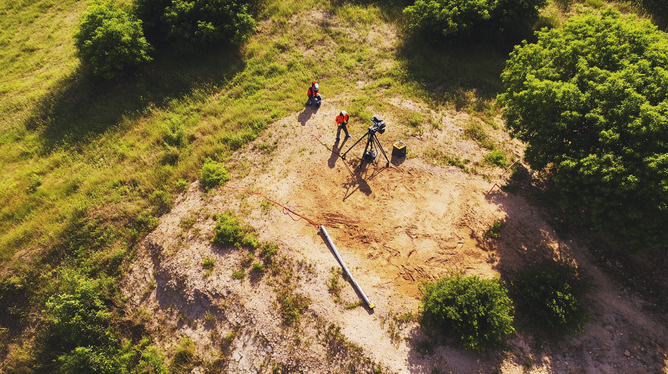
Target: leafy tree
(79, 333)
(199, 23)
(478, 310)
(551, 295)
(464, 18)
(109, 40)
(591, 101)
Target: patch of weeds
(353, 305)
(230, 336)
(393, 332)
(425, 347)
(333, 285)
(414, 121)
(208, 264)
(549, 21)
(291, 303)
(181, 185)
(184, 358)
(213, 174)
(150, 287)
(494, 230)
(476, 131)
(247, 260)
(596, 4)
(238, 274)
(267, 148)
(161, 201)
(341, 350)
(268, 252)
(229, 231)
(188, 222)
(265, 206)
(436, 156)
(497, 158)
(257, 267)
(406, 317)
(209, 317)
(34, 182)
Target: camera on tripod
(372, 144)
(378, 125)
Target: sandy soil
(395, 227)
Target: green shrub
(78, 315)
(466, 18)
(268, 251)
(151, 362)
(591, 102)
(238, 274)
(478, 310)
(213, 174)
(497, 158)
(494, 230)
(228, 231)
(551, 295)
(94, 360)
(257, 266)
(250, 241)
(198, 23)
(109, 40)
(208, 265)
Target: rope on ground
(285, 209)
(504, 173)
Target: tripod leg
(382, 150)
(343, 156)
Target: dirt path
(395, 227)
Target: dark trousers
(343, 126)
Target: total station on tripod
(372, 144)
(378, 125)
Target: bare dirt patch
(395, 227)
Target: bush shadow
(84, 106)
(448, 71)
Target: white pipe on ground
(345, 269)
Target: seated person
(314, 97)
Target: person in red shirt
(342, 123)
(313, 92)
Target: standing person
(313, 93)
(342, 123)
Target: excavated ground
(395, 227)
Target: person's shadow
(336, 153)
(306, 115)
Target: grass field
(87, 165)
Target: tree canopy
(466, 18)
(478, 310)
(198, 23)
(591, 102)
(109, 40)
